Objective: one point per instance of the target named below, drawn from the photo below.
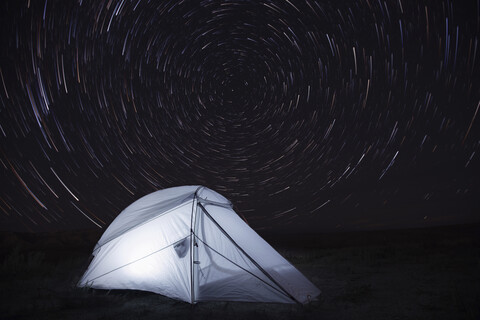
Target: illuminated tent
(187, 243)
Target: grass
(356, 293)
(425, 278)
(18, 262)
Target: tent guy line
(246, 254)
(282, 291)
(148, 255)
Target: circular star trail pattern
(313, 112)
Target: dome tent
(187, 243)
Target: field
(403, 274)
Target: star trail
(305, 114)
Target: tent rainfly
(187, 243)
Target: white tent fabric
(187, 243)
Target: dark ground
(402, 274)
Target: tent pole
(247, 255)
(191, 247)
(192, 244)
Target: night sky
(307, 115)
